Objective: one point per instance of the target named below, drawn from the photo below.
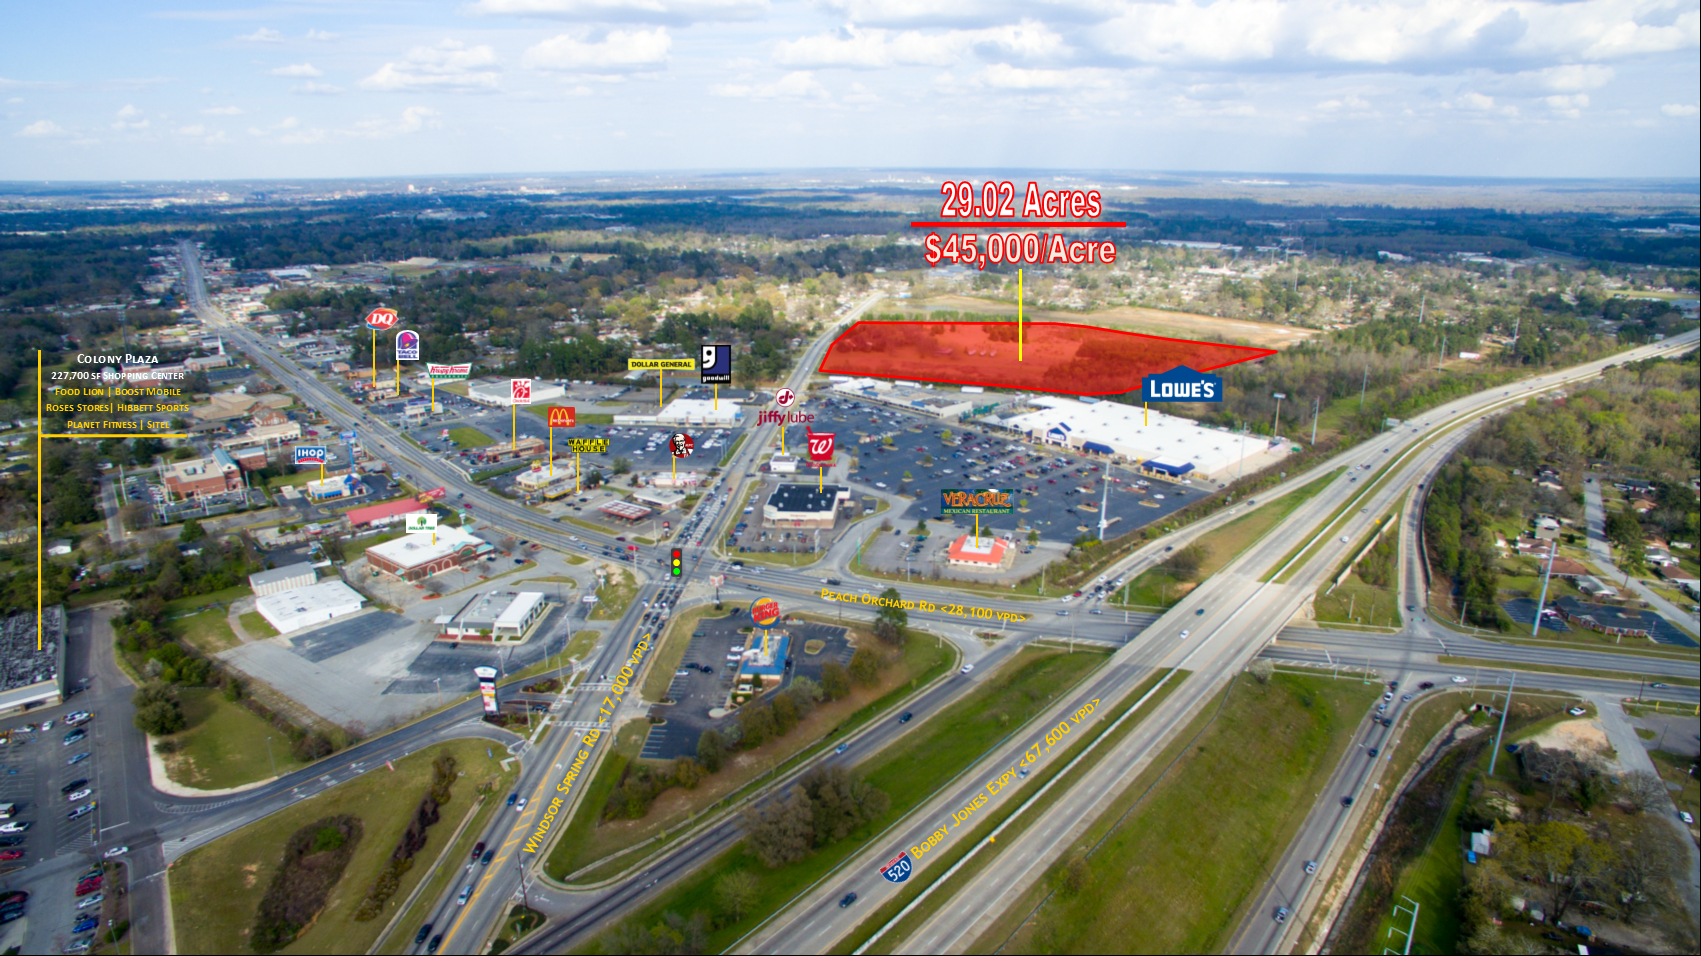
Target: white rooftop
(413, 550)
(1129, 431)
(699, 410)
(302, 607)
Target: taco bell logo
(898, 869)
(1182, 384)
(407, 346)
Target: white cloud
(1003, 76)
(450, 65)
(1352, 102)
(1571, 77)
(1386, 33)
(1680, 109)
(798, 84)
(223, 111)
(315, 89)
(321, 35)
(1567, 104)
(860, 94)
(878, 49)
(127, 118)
(678, 12)
(298, 69)
(1475, 102)
(262, 35)
(195, 129)
(619, 51)
(42, 128)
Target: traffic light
(676, 562)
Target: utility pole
(1495, 753)
(1316, 406)
(1242, 472)
(1552, 551)
(1363, 385)
(1276, 423)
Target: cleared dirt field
(1132, 318)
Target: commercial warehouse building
(493, 616)
(910, 396)
(706, 412)
(497, 393)
(803, 506)
(385, 512)
(286, 578)
(32, 676)
(415, 557)
(308, 606)
(1163, 444)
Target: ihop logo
(1182, 384)
(898, 870)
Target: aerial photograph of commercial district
(1093, 476)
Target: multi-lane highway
(1211, 634)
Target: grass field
(1158, 588)
(577, 846)
(467, 436)
(255, 624)
(1434, 881)
(983, 831)
(1160, 882)
(210, 630)
(1355, 602)
(921, 762)
(224, 744)
(401, 939)
(194, 601)
(357, 548)
(298, 479)
(615, 597)
(920, 663)
(675, 639)
(216, 889)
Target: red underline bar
(1012, 224)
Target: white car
(1685, 817)
(1343, 539)
(1461, 680)
(1184, 634)
(91, 900)
(966, 668)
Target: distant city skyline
(307, 89)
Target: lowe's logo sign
(1182, 384)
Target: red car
(11, 854)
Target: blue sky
(314, 88)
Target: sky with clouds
(331, 88)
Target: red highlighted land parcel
(1054, 356)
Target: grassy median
(1169, 866)
(216, 889)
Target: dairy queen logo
(898, 870)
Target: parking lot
(1061, 489)
(705, 677)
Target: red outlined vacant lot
(1056, 356)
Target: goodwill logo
(898, 869)
(1182, 384)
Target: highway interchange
(1233, 617)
